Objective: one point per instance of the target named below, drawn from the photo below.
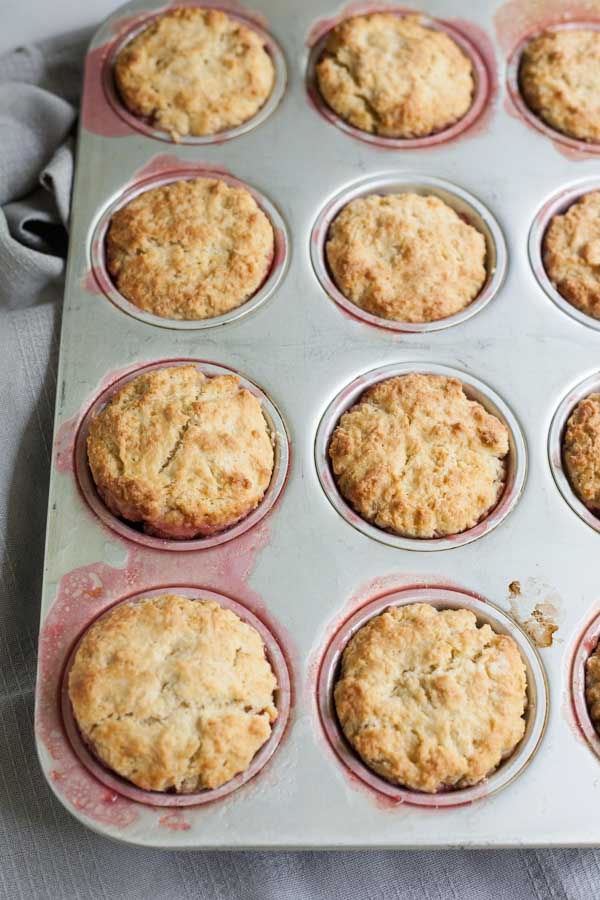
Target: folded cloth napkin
(44, 852)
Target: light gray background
(45, 853)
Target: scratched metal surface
(302, 350)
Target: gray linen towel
(44, 853)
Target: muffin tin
(305, 571)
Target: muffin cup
(120, 785)
(586, 644)
(555, 448)
(272, 278)
(557, 205)
(128, 530)
(139, 123)
(515, 463)
(514, 88)
(464, 204)
(536, 713)
(481, 91)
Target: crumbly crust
(195, 71)
(191, 249)
(183, 454)
(173, 694)
(581, 451)
(406, 257)
(560, 81)
(415, 456)
(392, 76)
(428, 699)
(592, 687)
(571, 252)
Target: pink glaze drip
(91, 282)
(174, 821)
(483, 43)
(64, 441)
(97, 115)
(84, 594)
(231, 6)
(322, 26)
(516, 18)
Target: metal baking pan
(304, 568)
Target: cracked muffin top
(571, 254)
(195, 72)
(390, 75)
(406, 257)
(581, 451)
(429, 699)
(183, 454)
(173, 694)
(416, 457)
(191, 249)
(559, 77)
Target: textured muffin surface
(581, 451)
(415, 456)
(428, 699)
(406, 257)
(560, 81)
(191, 249)
(195, 72)
(183, 454)
(592, 687)
(571, 253)
(390, 75)
(173, 693)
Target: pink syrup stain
(97, 114)
(174, 821)
(87, 592)
(231, 6)
(515, 20)
(482, 42)
(66, 434)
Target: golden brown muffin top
(191, 249)
(581, 451)
(571, 253)
(417, 457)
(195, 71)
(429, 699)
(559, 78)
(173, 693)
(182, 453)
(406, 257)
(390, 75)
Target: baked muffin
(581, 451)
(191, 249)
(592, 687)
(195, 72)
(560, 81)
(429, 699)
(183, 454)
(571, 253)
(173, 694)
(390, 75)
(406, 257)
(416, 457)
